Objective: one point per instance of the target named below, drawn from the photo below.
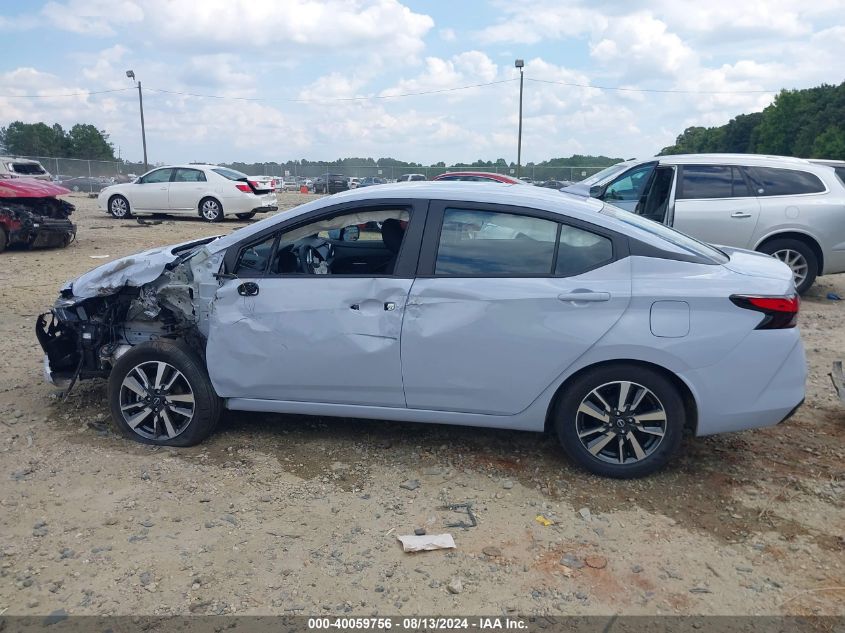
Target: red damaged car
(32, 216)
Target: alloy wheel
(156, 400)
(796, 261)
(210, 210)
(621, 422)
(119, 207)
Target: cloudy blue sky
(284, 70)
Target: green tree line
(806, 123)
(39, 139)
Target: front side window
(365, 242)
(773, 181)
(630, 185)
(711, 181)
(189, 175)
(490, 243)
(159, 175)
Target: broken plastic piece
(427, 542)
(543, 520)
(455, 507)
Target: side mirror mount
(596, 191)
(351, 234)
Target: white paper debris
(413, 543)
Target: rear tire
(210, 209)
(119, 207)
(799, 257)
(3, 239)
(245, 216)
(627, 440)
(172, 406)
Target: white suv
(22, 168)
(787, 207)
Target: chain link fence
(92, 175)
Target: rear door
(186, 189)
(277, 332)
(505, 300)
(714, 204)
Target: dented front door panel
(309, 339)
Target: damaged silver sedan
(473, 304)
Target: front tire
(160, 393)
(211, 210)
(622, 421)
(245, 216)
(119, 207)
(799, 257)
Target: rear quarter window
(773, 181)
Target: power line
(657, 90)
(70, 94)
(337, 99)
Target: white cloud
(93, 17)
(447, 35)
(463, 69)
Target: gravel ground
(286, 514)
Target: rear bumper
(266, 209)
(761, 383)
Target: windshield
(603, 174)
(672, 236)
(231, 174)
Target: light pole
(131, 75)
(519, 63)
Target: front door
(150, 193)
(186, 190)
(316, 312)
(505, 302)
(714, 204)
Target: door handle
(248, 289)
(740, 214)
(584, 295)
(355, 306)
(389, 306)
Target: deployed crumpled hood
(132, 270)
(29, 188)
(756, 264)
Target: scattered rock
(147, 523)
(411, 484)
(507, 484)
(455, 586)
(33, 603)
(67, 553)
(228, 518)
(637, 569)
(145, 476)
(210, 524)
(700, 590)
(145, 578)
(110, 521)
(585, 514)
(571, 561)
(491, 551)
(419, 531)
(265, 498)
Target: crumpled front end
(160, 294)
(36, 222)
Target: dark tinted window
(578, 251)
(711, 181)
(253, 259)
(489, 243)
(772, 181)
(231, 174)
(840, 171)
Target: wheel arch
(214, 197)
(690, 404)
(799, 236)
(117, 194)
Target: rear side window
(840, 172)
(189, 175)
(711, 181)
(772, 181)
(488, 243)
(28, 169)
(231, 174)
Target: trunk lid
(756, 264)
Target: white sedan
(209, 191)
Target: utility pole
(131, 75)
(519, 63)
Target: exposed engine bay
(36, 222)
(92, 325)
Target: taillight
(243, 187)
(780, 312)
(254, 184)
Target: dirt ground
(294, 515)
